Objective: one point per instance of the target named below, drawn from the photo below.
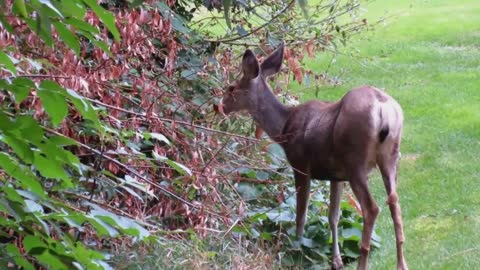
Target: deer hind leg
(359, 184)
(388, 164)
(336, 189)
(302, 186)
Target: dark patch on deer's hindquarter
(380, 96)
(382, 135)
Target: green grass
(427, 56)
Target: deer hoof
(337, 263)
(402, 266)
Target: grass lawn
(427, 56)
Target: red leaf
(258, 132)
(310, 48)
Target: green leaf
(19, 8)
(12, 195)
(247, 191)
(28, 195)
(266, 236)
(177, 166)
(178, 22)
(7, 62)
(84, 107)
(29, 129)
(73, 223)
(21, 88)
(189, 74)
(43, 25)
(81, 25)
(20, 147)
(26, 180)
(160, 137)
(68, 37)
(59, 155)
(8, 207)
(137, 185)
(18, 257)
(51, 6)
(304, 7)
(261, 175)
(73, 161)
(87, 257)
(241, 31)
(62, 140)
(226, 9)
(36, 247)
(257, 217)
(136, 3)
(51, 169)
(102, 228)
(73, 9)
(126, 225)
(37, 213)
(5, 123)
(132, 192)
(51, 86)
(307, 242)
(352, 234)
(7, 25)
(36, 65)
(99, 44)
(35, 244)
(31, 206)
(106, 17)
(351, 249)
(53, 101)
(281, 216)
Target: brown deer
(339, 141)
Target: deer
(340, 142)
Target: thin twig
(168, 192)
(214, 156)
(44, 76)
(256, 29)
(176, 121)
(231, 228)
(113, 209)
(260, 182)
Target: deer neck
(270, 114)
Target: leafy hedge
(107, 134)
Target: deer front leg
(302, 186)
(336, 189)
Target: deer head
(245, 93)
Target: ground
(427, 56)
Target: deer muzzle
(219, 108)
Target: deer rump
(321, 138)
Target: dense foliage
(108, 136)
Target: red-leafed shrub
(106, 122)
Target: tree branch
(175, 121)
(166, 191)
(256, 29)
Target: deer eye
(230, 88)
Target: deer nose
(219, 108)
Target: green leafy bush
(107, 135)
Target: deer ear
(250, 66)
(273, 63)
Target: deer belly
(325, 173)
